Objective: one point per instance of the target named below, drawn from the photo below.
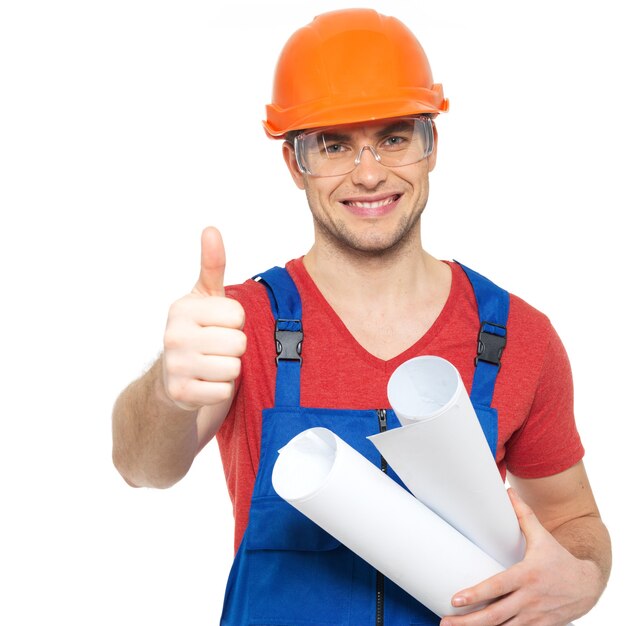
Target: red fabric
(537, 434)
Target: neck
(387, 301)
(400, 274)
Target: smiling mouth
(372, 205)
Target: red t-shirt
(537, 434)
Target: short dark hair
(291, 135)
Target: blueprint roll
(341, 491)
(443, 458)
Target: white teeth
(372, 205)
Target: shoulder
(253, 294)
(254, 297)
(531, 337)
(250, 294)
(528, 321)
(522, 315)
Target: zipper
(382, 427)
(380, 579)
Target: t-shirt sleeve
(548, 441)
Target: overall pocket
(297, 574)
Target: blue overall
(290, 572)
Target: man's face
(373, 208)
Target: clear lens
(338, 150)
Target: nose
(368, 171)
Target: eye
(394, 142)
(335, 148)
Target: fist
(204, 341)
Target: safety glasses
(338, 150)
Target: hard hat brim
(330, 112)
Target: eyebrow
(334, 135)
(393, 127)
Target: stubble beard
(337, 235)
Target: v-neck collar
(302, 276)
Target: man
(314, 345)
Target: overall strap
(287, 311)
(493, 313)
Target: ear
(432, 159)
(290, 159)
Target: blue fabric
(287, 310)
(282, 292)
(493, 313)
(288, 571)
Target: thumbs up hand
(203, 339)
(212, 264)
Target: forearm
(154, 440)
(588, 539)
(565, 506)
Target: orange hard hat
(350, 66)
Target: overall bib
(290, 572)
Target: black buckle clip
(490, 344)
(289, 338)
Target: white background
(126, 126)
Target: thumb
(528, 522)
(212, 264)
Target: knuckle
(496, 616)
(241, 343)
(497, 590)
(500, 585)
(171, 339)
(533, 578)
(232, 311)
(176, 390)
(239, 314)
(178, 308)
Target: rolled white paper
(341, 491)
(443, 458)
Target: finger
(488, 590)
(212, 264)
(196, 393)
(182, 367)
(221, 341)
(216, 311)
(494, 614)
(216, 369)
(223, 312)
(214, 358)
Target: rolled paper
(341, 491)
(443, 458)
